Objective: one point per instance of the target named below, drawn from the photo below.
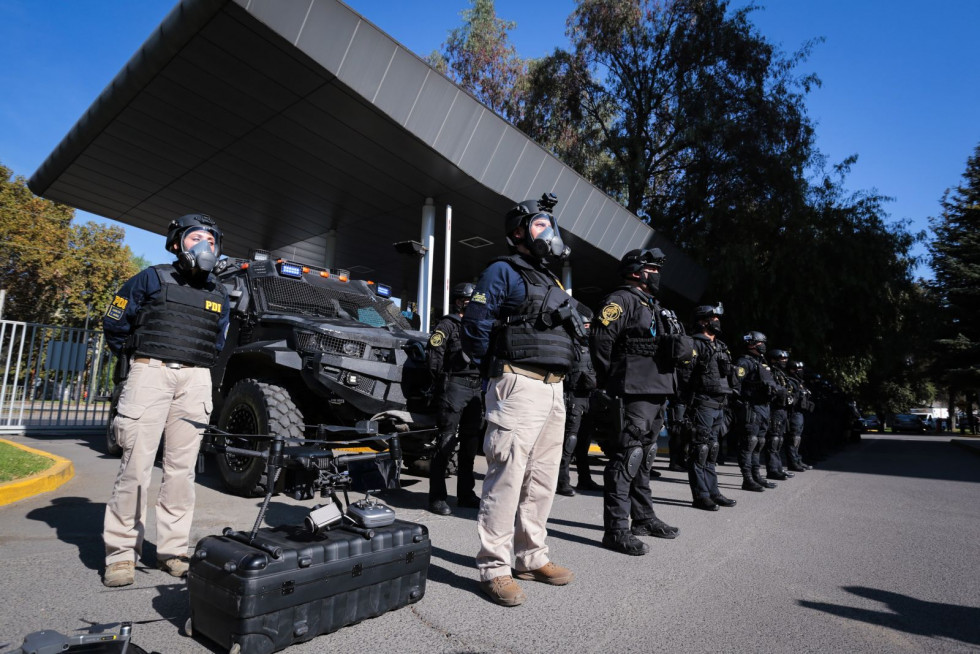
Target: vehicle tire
(254, 407)
(111, 444)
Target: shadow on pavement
(906, 457)
(441, 575)
(78, 521)
(909, 615)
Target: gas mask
(760, 348)
(714, 326)
(548, 244)
(199, 260)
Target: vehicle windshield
(328, 301)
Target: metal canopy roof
(284, 120)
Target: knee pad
(796, 441)
(713, 452)
(570, 442)
(649, 454)
(751, 442)
(701, 452)
(633, 461)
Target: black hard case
(320, 583)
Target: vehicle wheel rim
(241, 421)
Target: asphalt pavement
(875, 550)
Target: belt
(174, 365)
(532, 372)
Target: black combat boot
(721, 500)
(757, 478)
(749, 484)
(654, 527)
(704, 503)
(625, 543)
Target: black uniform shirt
(756, 384)
(627, 313)
(445, 349)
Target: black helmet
(548, 245)
(180, 226)
(779, 354)
(706, 311)
(520, 214)
(754, 337)
(462, 291)
(634, 260)
(796, 365)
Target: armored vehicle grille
(309, 342)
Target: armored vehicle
(309, 346)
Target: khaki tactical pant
(156, 400)
(523, 447)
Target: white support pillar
(446, 280)
(428, 240)
(566, 277)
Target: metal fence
(53, 377)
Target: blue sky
(901, 80)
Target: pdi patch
(437, 338)
(479, 298)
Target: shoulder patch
(479, 298)
(610, 313)
(114, 312)
(437, 338)
(740, 371)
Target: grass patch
(15, 463)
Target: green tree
(955, 259)
(479, 57)
(55, 271)
(686, 114)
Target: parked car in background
(908, 422)
(870, 422)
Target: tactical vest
(782, 381)
(534, 334)
(711, 371)
(758, 384)
(180, 323)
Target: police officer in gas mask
(168, 323)
(520, 328)
(636, 347)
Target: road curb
(42, 482)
